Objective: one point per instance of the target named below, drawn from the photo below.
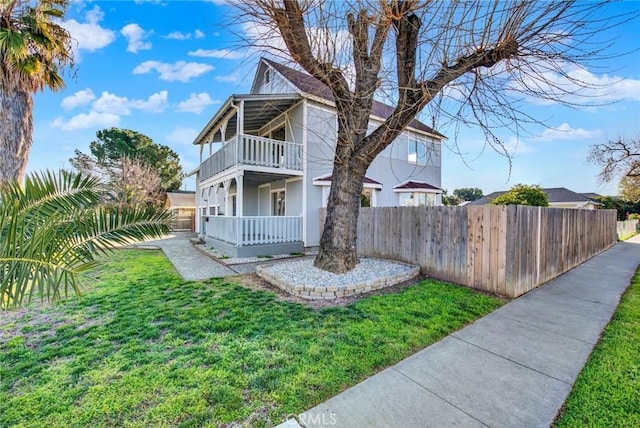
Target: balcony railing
(245, 231)
(253, 150)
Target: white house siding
(276, 85)
(293, 198)
(250, 201)
(321, 138)
(265, 201)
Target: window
(267, 76)
(366, 198)
(277, 203)
(416, 199)
(417, 152)
(234, 205)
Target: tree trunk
(16, 133)
(338, 242)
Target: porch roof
(416, 186)
(259, 109)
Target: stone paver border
(324, 292)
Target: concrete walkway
(512, 368)
(190, 263)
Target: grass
(145, 348)
(607, 391)
(627, 236)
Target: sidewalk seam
(512, 361)
(442, 398)
(544, 329)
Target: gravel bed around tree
(301, 278)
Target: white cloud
(182, 135)
(92, 119)
(80, 98)
(566, 132)
(89, 35)
(229, 78)
(181, 71)
(136, 36)
(218, 2)
(217, 53)
(108, 109)
(156, 103)
(580, 87)
(196, 103)
(178, 35)
(111, 103)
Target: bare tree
(620, 157)
(128, 181)
(136, 183)
(468, 62)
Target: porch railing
(245, 231)
(252, 150)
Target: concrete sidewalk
(512, 368)
(190, 263)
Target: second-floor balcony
(255, 151)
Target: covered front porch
(249, 213)
(250, 236)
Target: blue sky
(163, 69)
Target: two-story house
(266, 163)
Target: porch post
(226, 184)
(240, 118)
(240, 193)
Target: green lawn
(144, 348)
(607, 392)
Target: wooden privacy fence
(505, 250)
(626, 228)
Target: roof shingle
(312, 86)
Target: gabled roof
(416, 185)
(554, 195)
(591, 195)
(327, 178)
(312, 86)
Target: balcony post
(240, 193)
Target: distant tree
(522, 194)
(468, 194)
(450, 200)
(617, 158)
(114, 144)
(629, 188)
(624, 208)
(34, 51)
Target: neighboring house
(182, 205)
(559, 197)
(267, 159)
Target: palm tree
(34, 50)
(53, 226)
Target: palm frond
(52, 228)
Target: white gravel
(304, 272)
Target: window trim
(424, 145)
